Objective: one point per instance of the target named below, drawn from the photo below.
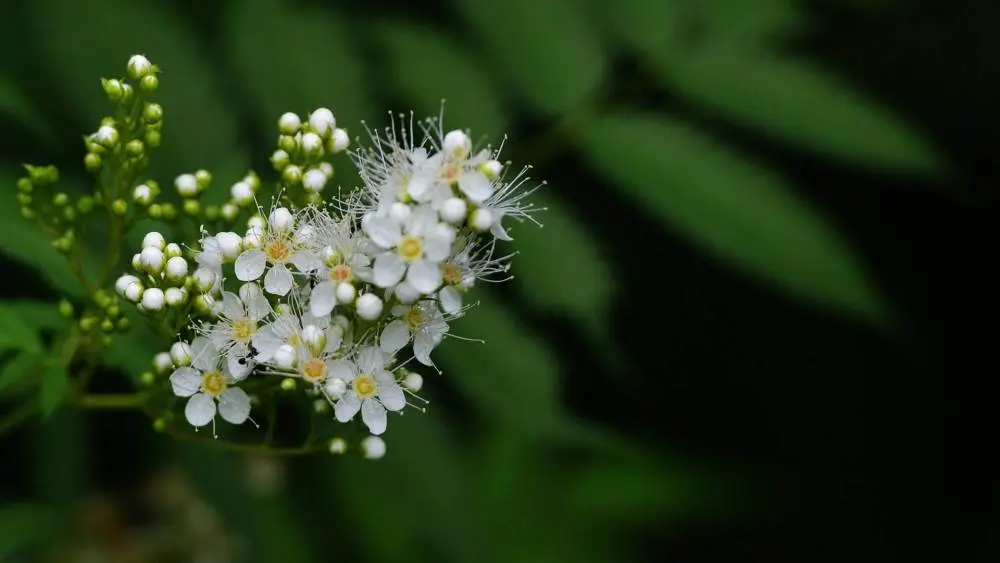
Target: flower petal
(373, 415)
(422, 220)
(232, 306)
(278, 280)
(475, 186)
(394, 337)
(304, 261)
(389, 269)
(234, 405)
(347, 407)
(185, 381)
(424, 275)
(390, 393)
(200, 409)
(342, 369)
(204, 354)
(371, 359)
(451, 299)
(383, 232)
(423, 344)
(323, 299)
(497, 229)
(238, 361)
(250, 265)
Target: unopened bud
(180, 354)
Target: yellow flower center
(313, 370)
(341, 273)
(413, 318)
(410, 248)
(243, 329)
(451, 274)
(278, 251)
(213, 383)
(365, 386)
(450, 172)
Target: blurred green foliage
(501, 479)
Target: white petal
(185, 381)
(423, 343)
(257, 306)
(234, 405)
(383, 232)
(304, 261)
(278, 280)
(232, 307)
(250, 265)
(389, 269)
(236, 369)
(342, 369)
(497, 229)
(371, 359)
(451, 299)
(422, 220)
(373, 415)
(204, 354)
(419, 185)
(394, 337)
(389, 392)
(437, 247)
(200, 409)
(424, 275)
(475, 186)
(267, 342)
(333, 341)
(323, 299)
(347, 407)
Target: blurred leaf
(16, 333)
(643, 25)
(16, 106)
(291, 58)
(739, 212)
(60, 471)
(40, 315)
(23, 526)
(16, 372)
(85, 42)
(24, 241)
(427, 66)
(55, 386)
(740, 21)
(620, 491)
(546, 48)
(513, 377)
(801, 105)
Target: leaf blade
(16, 333)
(55, 386)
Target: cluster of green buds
(56, 212)
(106, 314)
(303, 145)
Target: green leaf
(17, 106)
(291, 58)
(513, 376)
(801, 105)
(200, 128)
(741, 213)
(643, 25)
(16, 372)
(40, 315)
(16, 333)
(24, 525)
(55, 386)
(739, 21)
(547, 49)
(428, 66)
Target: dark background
(758, 426)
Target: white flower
(207, 382)
(421, 321)
(187, 185)
(372, 389)
(413, 248)
(236, 334)
(277, 248)
(508, 200)
(343, 262)
(287, 330)
(472, 261)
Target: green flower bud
(66, 309)
(287, 143)
(69, 214)
(62, 244)
(128, 93)
(107, 325)
(92, 162)
(113, 88)
(252, 180)
(152, 138)
(124, 324)
(114, 311)
(138, 67)
(60, 199)
(28, 213)
(203, 178)
(119, 207)
(149, 84)
(159, 425)
(86, 204)
(88, 323)
(192, 207)
(288, 384)
(212, 212)
(169, 211)
(134, 148)
(102, 298)
(147, 378)
(291, 175)
(156, 211)
(106, 136)
(42, 175)
(229, 212)
(24, 199)
(152, 113)
(25, 186)
(107, 340)
(280, 159)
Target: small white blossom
(372, 389)
(412, 249)
(187, 185)
(138, 66)
(206, 383)
(153, 299)
(422, 322)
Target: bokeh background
(756, 325)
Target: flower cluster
(333, 296)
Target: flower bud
(345, 293)
(139, 66)
(203, 178)
(338, 141)
(142, 195)
(284, 357)
(204, 280)
(314, 339)
(137, 262)
(152, 299)
(151, 259)
(147, 378)
(134, 148)
(369, 306)
(289, 123)
(204, 303)
(314, 180)
(177, 268)
(312, 145)
(338, 446)
(229, 212)
(154, 239)
(186, 185)
(413, 382)
(92, 162)
(152, 113)
(112, 88)
(65, 308)
(119, 207)
(152, 139)
(162, 363)
(175, 296)
(134, 291)
(481, 220)
(291, 175)
(257, 222)
(281, 219)
(453, 210)
(336, 387)
(180, 354)
(491, 168)
(327, 169)
(457, 144)
(169, 211)
(252, 239)
(172, 249)
(149, 83)
(230, 244)
(373, 447)
(322, 122)
(289, 144)
(192, 207)
(106, 136)
(241, 193)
